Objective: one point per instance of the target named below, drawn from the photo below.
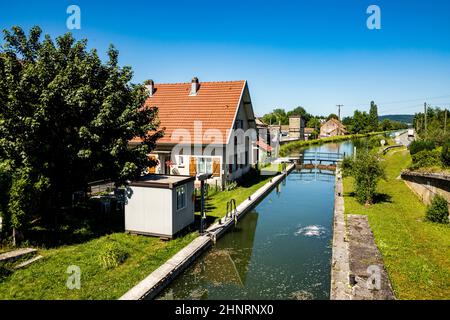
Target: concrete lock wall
(426, 186)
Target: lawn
(416, 253)
(46, 279)
(216, 205)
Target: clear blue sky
(311, 53)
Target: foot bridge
(317, 160)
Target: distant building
(308, 133)
(296, 128)
(331, 128)
(264, 149)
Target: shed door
(193, 166)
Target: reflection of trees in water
(226, 264)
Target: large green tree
(66, 118)
(373, 117)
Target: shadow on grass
(74, 226)
(377, 199)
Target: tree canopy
(66, 118)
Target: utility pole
(339, 110)
(426, 131)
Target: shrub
(445, 154)
(438, 210)
(375, 142)
(425, 159)
(367, 170)
(421, 145)
(112, 254)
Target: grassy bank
(46, 279)
(416, 253)
(288, 148)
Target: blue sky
(311, 53)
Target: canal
(280, 250)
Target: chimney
(150, 86)
(194, 86)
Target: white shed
(159, 205)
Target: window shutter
(193, 166)
(152, 169)
(216, 168)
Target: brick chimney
(150, 86)
(194, 86)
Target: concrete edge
(340, 263)
(154, 283)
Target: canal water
(279, 250)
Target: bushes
(375, 142)
(421, 145)
(425, 159)
(438, 210)
(366, 169)
(112, 254)
(445, 154)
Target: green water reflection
(279, 250)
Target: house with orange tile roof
(209, 128)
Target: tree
(66, 118)
(277, 116)
(360, 122)
(386, 125)
(300, 111)
(366, 170)
(333, 116)
(373, 117)
(314, 122)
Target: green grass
(416, 253)
(46, 279)
(216, 205)
(290, 147)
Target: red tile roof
(260, 143)
(215, 104)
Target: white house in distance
(200, 120)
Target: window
(204, 165)
(180, 161)
(239, 124)
(181, 197)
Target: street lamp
(202, 178)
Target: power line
(406, 101)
